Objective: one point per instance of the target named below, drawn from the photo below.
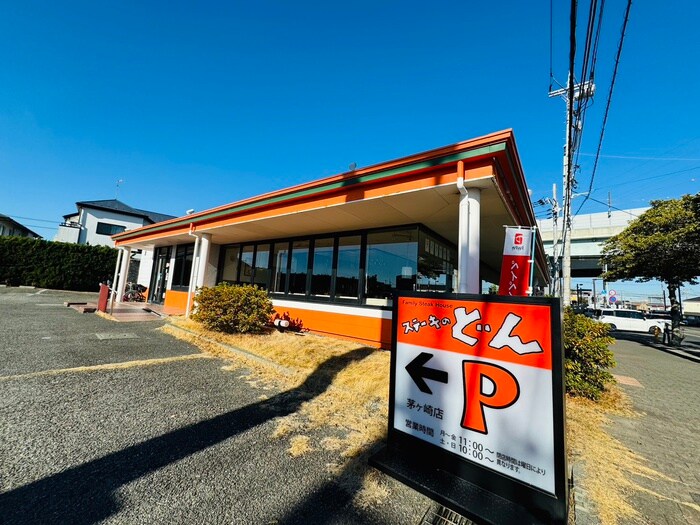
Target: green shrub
(233, 309)
(587, 356)
(56, 265)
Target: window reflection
(364, 268)
(229, 271)
(262, 260)
(322, 267)
(247, 254)
(347, 279)
(390, 264)
(279, 267)
(298, 267)
(436, 263)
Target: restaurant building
(331, 252)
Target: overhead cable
(607, 104)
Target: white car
(629, 320)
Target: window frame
(113, 228)
(182, 278)
(287, 243)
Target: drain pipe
(463, 231)
(193, 270)
(469, 235)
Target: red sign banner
(516, 266)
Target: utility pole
(573, 136)
(555, 257)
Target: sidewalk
(662, 383)
(126, 311)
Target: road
(120, 423)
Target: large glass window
(436, 261)
(247, 259)
(322, 268)
(183, 265)
(229, 271)
(391, 264)
(347, 278)
(298, 267)
(280, 253)
(262, 260)
(359, 268)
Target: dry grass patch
(299, 445)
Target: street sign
(612, 299)
(477, 391)
(612, 293)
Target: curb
(234, 350)
(583, 508)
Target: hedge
(587, 356)
(55, 265)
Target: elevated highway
(588, 233)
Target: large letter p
(486, 385)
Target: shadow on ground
(85, 494)
(689, 347)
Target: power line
(607, 105)
(631, 157)
(32, 219)
(636, 181)
(613, 207)
(44, 227)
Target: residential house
(11, 228)
(95, 222)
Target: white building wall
(69, 234)
(212, 262)
(89, 219)
(691, 307)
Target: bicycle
(134, 293)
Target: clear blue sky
(196, 104)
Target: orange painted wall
(367, 330)
(175, 302)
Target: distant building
(11, 228)
(692, 306)
(588, 234)
(95, 222)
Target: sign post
(476, 414)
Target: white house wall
(89, 219)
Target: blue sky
(194, 105)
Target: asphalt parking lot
(120, 423)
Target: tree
(663, 243)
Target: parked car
(630, 320)
(691, 320)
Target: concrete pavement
(665, 390)
(119, 423)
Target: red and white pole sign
(477, 388)
(517, 261)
